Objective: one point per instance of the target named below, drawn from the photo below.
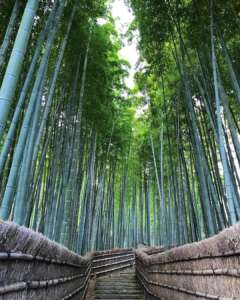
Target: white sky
(124, 17)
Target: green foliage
(110, 155)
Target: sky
(124, 17)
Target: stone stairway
(119, 286)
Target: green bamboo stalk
(11, 76)
(9, 32)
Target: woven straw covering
(33, 267)
(209, 269)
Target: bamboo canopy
(94, 163)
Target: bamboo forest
(93, 163)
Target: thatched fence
(209, 269)
(33, 267)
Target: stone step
(127, 298)
(129, 291)
(119, 286)
(123, 277)
(118, 297)
(117, 280)
(117, 283)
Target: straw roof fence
(33, 267)
(209, 269)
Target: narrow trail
(122, 285)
